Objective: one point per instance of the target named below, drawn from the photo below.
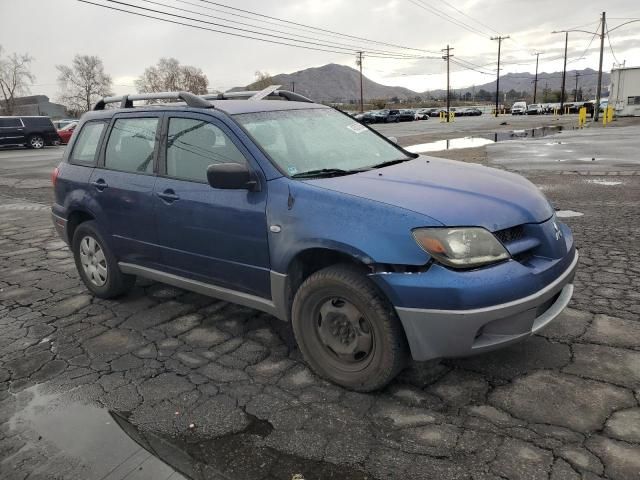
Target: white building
(624, 92)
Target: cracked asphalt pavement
(215, 390)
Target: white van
(519, 108)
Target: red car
(66, 132)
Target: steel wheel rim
(344, 334)
(93, 261)
(37, 142)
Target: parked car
(469, 112)
(60, 124)
(370, 252)
(534, 109)
(406, 115)
(422, 114)
(519, 108)
(65, 132)
(436, 111)
(32, 132)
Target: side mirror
(231, 176)
(393, 139)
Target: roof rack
(126, 101)
(269, 93)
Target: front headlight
(461, 247)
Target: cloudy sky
(54, 31)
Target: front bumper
(435, 333)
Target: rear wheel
(347, 332)
(35, 141)
(96, 264)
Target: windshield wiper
(323, 172)
(388, 163)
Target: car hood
(453, 193)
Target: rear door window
(10, 123)
(131, 145)
(86, 145)
(193, 145)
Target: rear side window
(10, 123)
(131, 145)
(193, 145)
(40, 122)
(85, 147)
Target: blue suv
(269, 200)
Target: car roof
(230, 107)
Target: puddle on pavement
(93, 442)
(83, 438)
(481, 140)
(568, 214)
(608, 183)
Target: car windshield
(321, 140)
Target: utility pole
(535, 82)
(447, 56)
(293, 86)
(359, 63)
(575, 92)
(564, 72)
(596, 112)
(499, 38)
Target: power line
(314, 28)
(255, 32)
(588, 47)
(611, 47)
(328, 42)
(448, 18)
(199, 27)
(469, 16)
(326, 48)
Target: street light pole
(564, 72)
(575, 92)
(359, 62)
(447, 56)
(596, 112)
(499, 38)
(535, 82)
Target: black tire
(36, 142)
(116, 283)
(377, 320)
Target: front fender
(302, 216)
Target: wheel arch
(75, 218)
(308, 261)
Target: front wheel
(96, 265)
(347, 331)
(36, 142)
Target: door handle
(168, 196)
(100, 184)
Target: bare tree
(169, 76)
(83, 83)
(263, 80)
(15, 78)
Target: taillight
(54, 176)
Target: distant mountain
(523, 82)
(339, 83)
(336, 83)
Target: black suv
(32, 132)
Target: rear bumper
(456, 333)
(61, 226)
